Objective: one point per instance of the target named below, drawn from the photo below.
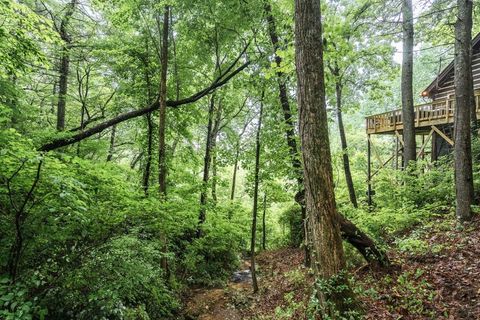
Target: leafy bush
(338, 300)
(15, 303)
(404, 199)
(115, 279)
(421, 186)
(211, 259)
(91, 240)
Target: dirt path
(221, 303)
(236, 300)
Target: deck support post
(422, 153)
(396, 152)
(369, 171)
(434, 156)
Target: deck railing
(428, 114)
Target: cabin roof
(447, 71)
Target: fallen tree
(375, 256)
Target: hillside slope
(435, 275)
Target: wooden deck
(435, 113)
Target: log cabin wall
(446, 86)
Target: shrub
(121, 277)
(291, 218)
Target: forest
(239, 159)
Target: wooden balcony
(435, 113)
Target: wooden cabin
(433, 119)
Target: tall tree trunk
(63, 86)
(206, 168)
(463, 93)
(162, 110)
(255, 200)
(343, 139)
(349, 231)
(162, 115)
(111, 149)
(264, 223)
(215, 131)
(408, 114)
(287, 114)
(64, 65)
(327, 249)
(149, 122)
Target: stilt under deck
(433, 122)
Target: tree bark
(343, 140)
(162, 110)
(363, 243)
(349, 231)
(287, 115)
(328, 257)
(408, 114)
(463, 94)
(64, 65)
(255, 200)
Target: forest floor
(435, 275)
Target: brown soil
(441, 281)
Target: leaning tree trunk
(408, 114)
(255, 202)
(287, 115)
(343, 139)
(463, 93)
(162, 110)
(328, 258)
